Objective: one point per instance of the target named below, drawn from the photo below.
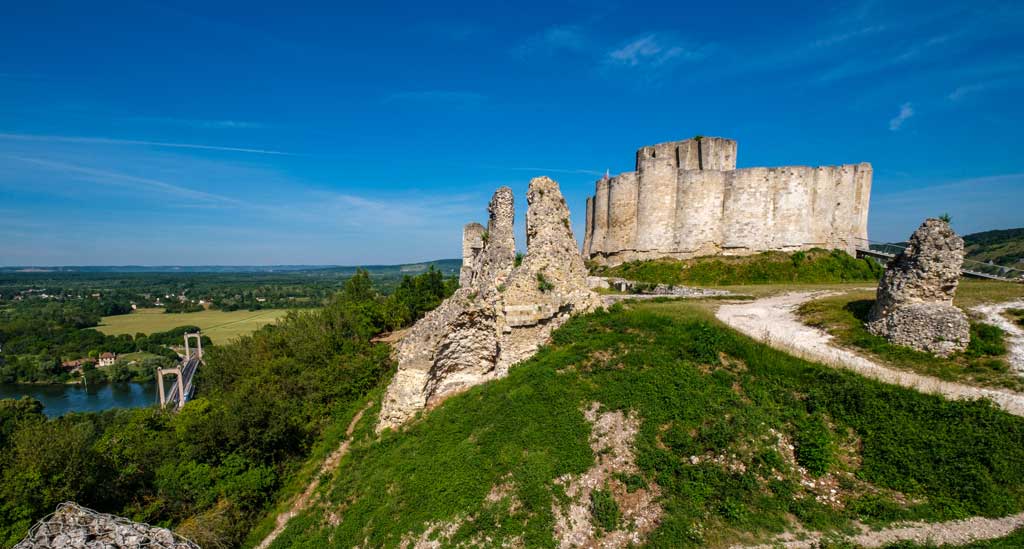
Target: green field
(221, 326)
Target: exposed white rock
(501, 313)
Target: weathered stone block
(914, 303)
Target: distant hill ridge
(448, 266)
(1002, 247)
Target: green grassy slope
(814, 266)
(700, 391)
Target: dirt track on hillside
(773, 321)
(302, 502)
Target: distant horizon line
(225, 265)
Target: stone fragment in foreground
(501, 313)
(914, 306)
(73, 526)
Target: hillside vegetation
(715, 439)
(1002, 247)
(814, 266)
(211, 470)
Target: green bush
(814, 446)
(605, 510)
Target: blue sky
(266, 133)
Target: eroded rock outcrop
(501, 313)
(73, 526)
(914, 307)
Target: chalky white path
(773, 321)
(993, 314)
(954, 532)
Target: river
(61, 399)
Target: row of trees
(212, 469)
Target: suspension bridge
(885, 252)
(182, 389)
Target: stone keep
(501, 313)
(914, 306)
(687, 199)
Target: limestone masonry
(501, 312)
(914, 305)
(687, 199)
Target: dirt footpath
(993, 314)
(329, 465)
(773, 321)
(954, 532)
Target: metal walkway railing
(978, 269)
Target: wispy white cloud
(651, 51)
(107, 177)
(978, 87)
(112, 141)
(896, 122)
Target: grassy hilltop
(740, 441)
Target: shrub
(605, 510)
(543, 284)
(986, 340)
(814, 446)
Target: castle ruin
(687, 199)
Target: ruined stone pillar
(588, 227)
(499, 239)
(472, 243)
(914, 306)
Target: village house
(107, 359)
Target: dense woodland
(213, 468)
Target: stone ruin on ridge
(914, 307)
(501, 313)
(73, 526)
(687, 199)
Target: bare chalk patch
(637, 512)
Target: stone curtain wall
(687, 199)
